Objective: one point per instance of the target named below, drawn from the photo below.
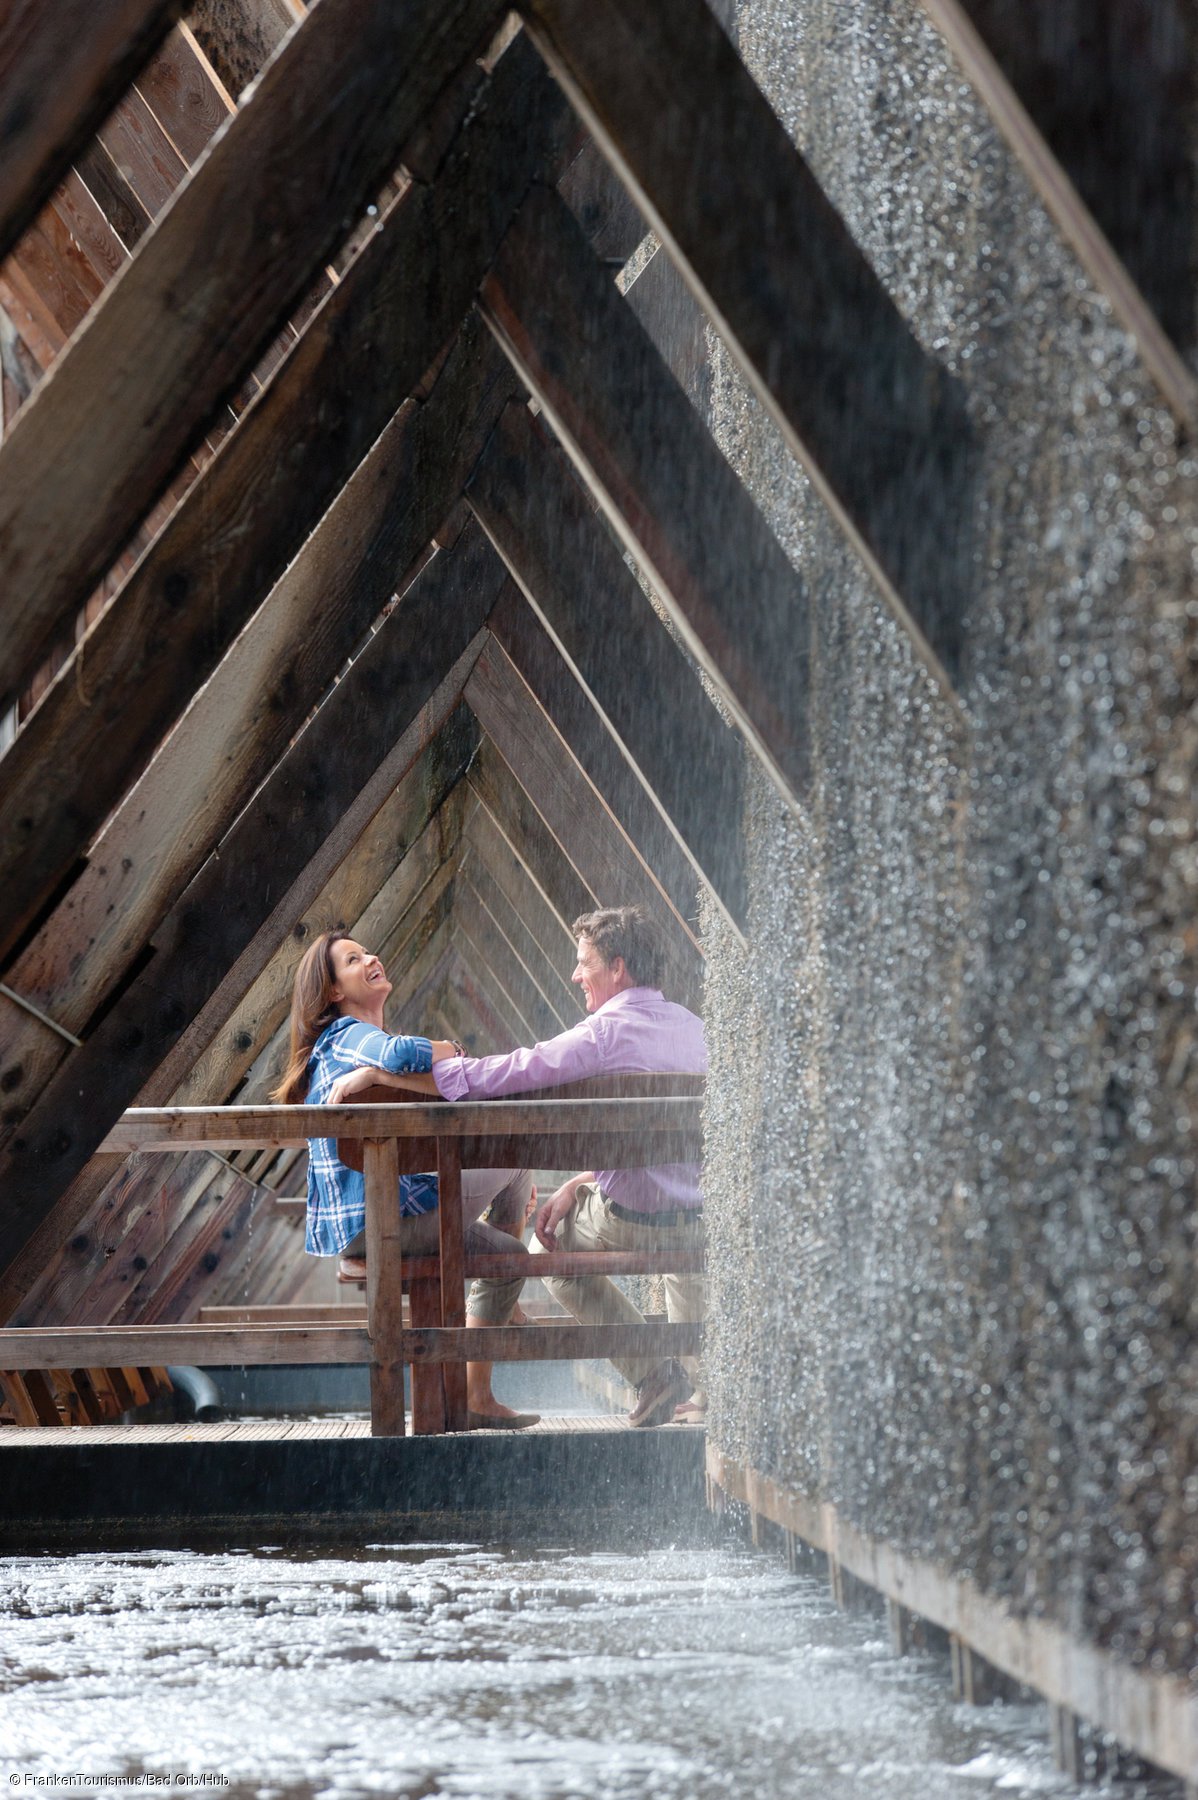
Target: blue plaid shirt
(337, 1195)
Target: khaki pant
(506, 1192)
(593, 1299)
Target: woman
(336, 1036)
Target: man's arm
(571, 1056)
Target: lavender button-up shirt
(636, 1032)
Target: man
(630, 1028)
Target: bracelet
(457, 1047)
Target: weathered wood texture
(644, 452)
(545, 766)
(167, 1128)
(581, 724)
(244, 717)
(324, 125)
(402, 851)
(532, 843)
(239, 36)
(520, 911)
(181, 89)
(61, 69)
(1149, 1711)
(1097, 102)
(573, 573)
(252, 509)
(384, 1288)
(525, 900)
(880, 426)
(537, 1018)
(273, 864)
(214, 1346)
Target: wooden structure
(328, 440)
(395, 1139)
(314, 554)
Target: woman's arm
(358, 1081)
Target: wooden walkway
(18, 1437)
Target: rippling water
(455, 1671)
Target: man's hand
(558, 1207)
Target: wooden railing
(652, 1125)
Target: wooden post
(428, 1394)
(384, 1286)
(453, 1258)
(976, 1681)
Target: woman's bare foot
(486, 1406)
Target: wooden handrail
(650, 1120)
(215, 1346)
(162, 1128)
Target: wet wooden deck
(16, 1437)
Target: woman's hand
(357, 1081)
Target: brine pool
(460, 1671)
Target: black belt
(684, 1215)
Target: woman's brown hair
(312, 1008)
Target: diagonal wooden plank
(61, 69)
(512, 921)
(523, 896)
(1122, 191)
(244, 717)
(880, 426)
(545, 767)
(239, 36)
(583, 728)
(384, 872)
(324, 125)
(577, 581)
(271, 866)
(501, 958)
(252, 508)
(644, 452)
(531, 842)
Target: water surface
(457, 1671)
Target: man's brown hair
(625, 931)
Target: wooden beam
(483, 949)
(587, 833)
(644, 452)
(555, 994)
(879, 425)
(585, 728)
(1094, 101)
(531, 841)
(167, 1128)
(324, 126)
(237, 910)
(471, 992)
(252, 509)
(61, 69)
(575, 577)
(550, 948)
(181, 89)
(239, 36)
(380, 864)
(214, 1346)
(243, 719)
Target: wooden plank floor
(16, 1437)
